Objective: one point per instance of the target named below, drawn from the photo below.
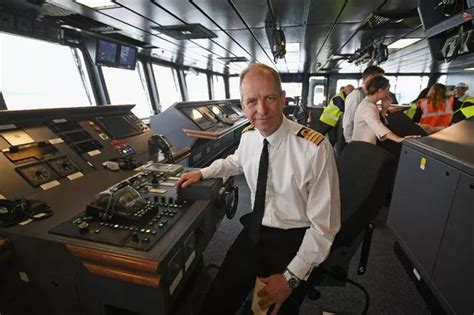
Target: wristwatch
(291, 279)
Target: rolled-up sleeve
(230, 166)
(323, 209)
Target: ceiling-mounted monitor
(106, 53)
(112, 54)
(127, 57)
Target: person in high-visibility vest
(436, 109)
(414, 112)
(334, 110)
(460, 91)
(464, 111)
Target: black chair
(365, 172)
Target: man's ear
(283, 96)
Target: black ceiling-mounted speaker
(279, 44)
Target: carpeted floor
(390, 289)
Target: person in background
(368, 126)
(460, 91)
(354, 99)
(464, 105)
(414, 112)
(436, 109)
(334, 110)
(295, 196)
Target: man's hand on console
(188, 178)
(276, 291)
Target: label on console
(56, 141)
(175, 282)
(2, 196)
(75, 176)
(94, 153)
(27, 221)
(50, 185)
(7, 127)
(168, 183)
(58, 121)
(157, 190)
(190, 260)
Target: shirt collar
(276, 138)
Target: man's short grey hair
(263, 69)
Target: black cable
(366, 294)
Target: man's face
(460, 91)
(262, 101)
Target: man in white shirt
(291, 230)
(354, 98)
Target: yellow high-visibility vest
(332, 113)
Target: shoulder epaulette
(310, 135)
(248, 128)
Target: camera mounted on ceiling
(375, 53)
(278, 44)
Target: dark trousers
(245, 261)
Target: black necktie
(259, 202)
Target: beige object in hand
(259, 285)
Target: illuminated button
(153, 232)
(91, 123)
(97, 231)
(146, 240)
(142, 230)
(148, 231)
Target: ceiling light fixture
(98, 4)
(469, 69)
(403, 42)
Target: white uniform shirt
(302, 188)
(352, 101)
(367, 124)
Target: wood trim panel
(109, 259)
(4, 244)
(120, 274)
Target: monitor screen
(117, 127)
(106, 52)
(128, 57)
(195, 115)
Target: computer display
(128, 57)
(106, 53)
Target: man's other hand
(276, 291)
(187, 179)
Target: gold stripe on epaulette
(248, 128)
(310, 135)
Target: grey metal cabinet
(432, 214)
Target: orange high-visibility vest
(436, 118)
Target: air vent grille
(185, 31)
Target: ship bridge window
(40, 74)
(128, 87)
(166, 79)
(317, 91)
(198, 89)
(219, 87)
(292, 89)
(234, 88)
(344, 82)
(407, 87)
(443, 79)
